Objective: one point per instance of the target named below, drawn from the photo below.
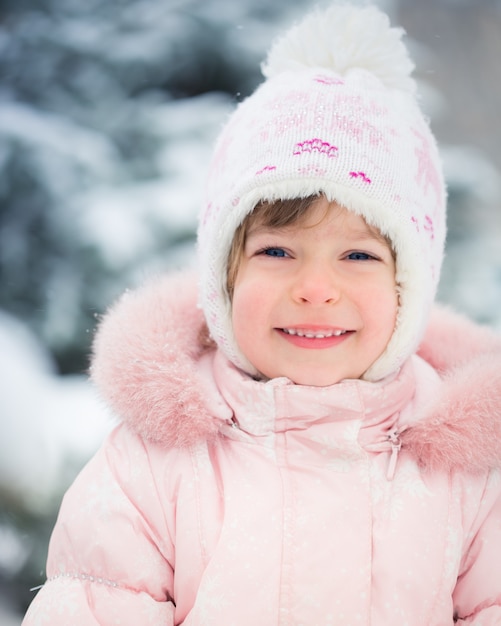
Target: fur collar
(144, 365)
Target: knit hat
(337, 115)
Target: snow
(124, 220)
(51, 132)
(8, 617)
(47, 421)
(469, 169)
(471, 273)
(476, 292)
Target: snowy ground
(46, 421)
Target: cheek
(252, 290)
(377, 299)
(246, 306)
(382, 308)
(248, 321)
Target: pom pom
(342, 38)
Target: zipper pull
(394, 440)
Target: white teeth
(310, 335)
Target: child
(287, 455)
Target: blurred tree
(79, 81)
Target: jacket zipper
(396, 444)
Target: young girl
(310, 445)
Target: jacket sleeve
(477, 596)
(111, 553)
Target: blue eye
(276, 252)
(359, 256)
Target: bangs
(277, 214)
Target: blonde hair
(270, 215)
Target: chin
(317, 380)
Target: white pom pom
(341, 38)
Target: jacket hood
(145, 365)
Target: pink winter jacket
(224, 501)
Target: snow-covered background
(108, 111)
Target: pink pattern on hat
(325, 79)
(361, 175)
(427, 175)
(428, 226)
(266, 168)
(316, 145)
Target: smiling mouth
(322, 334)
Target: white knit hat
(337, 114)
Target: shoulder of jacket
(144, 360)
(460, 426)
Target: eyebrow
(367, 234)
(258, 227)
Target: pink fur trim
(145, 366)
(452, 340)
(461, 429)
(144, 357)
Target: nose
(316, 284)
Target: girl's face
(315, 302)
